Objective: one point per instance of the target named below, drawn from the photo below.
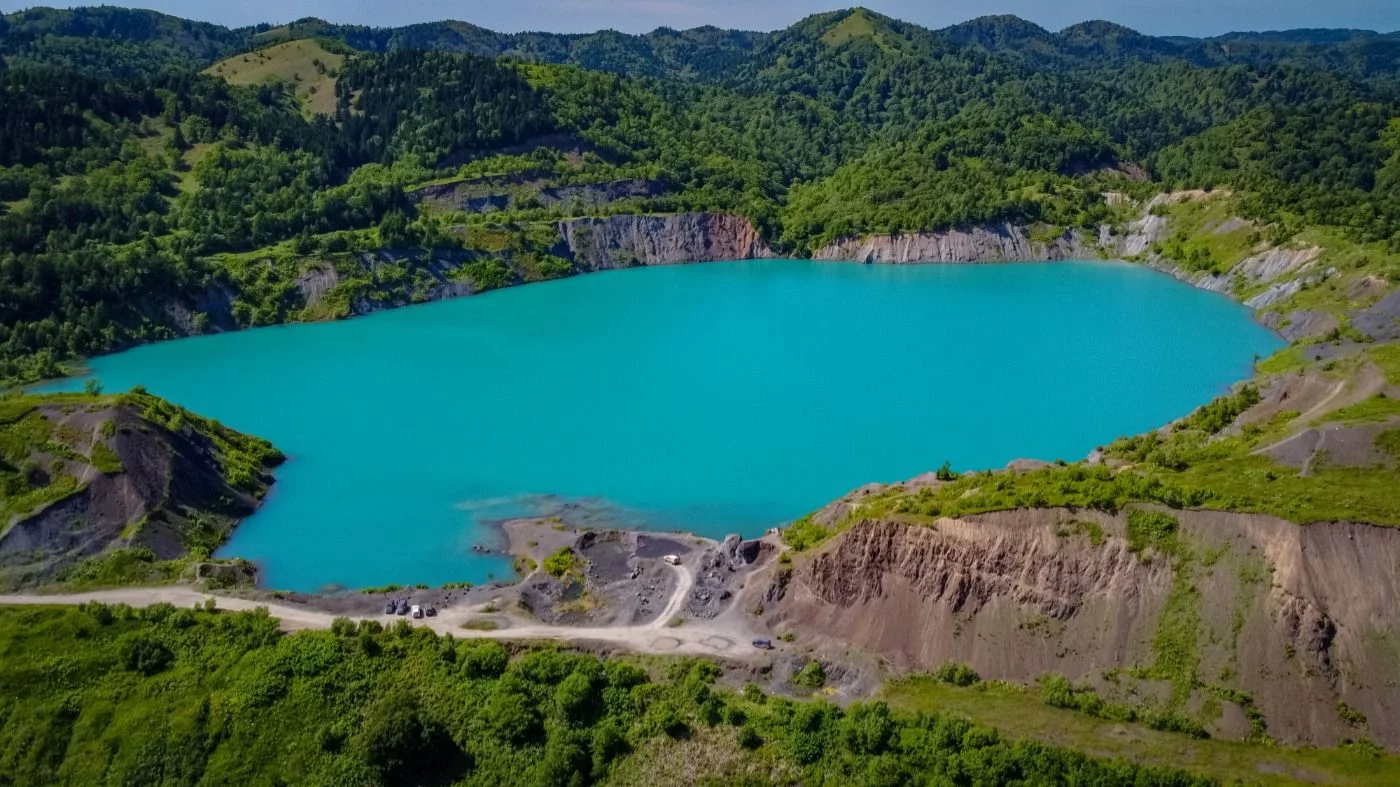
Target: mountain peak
(857, 23)
(995, 31)
(1099, 30)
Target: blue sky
(1160, 17)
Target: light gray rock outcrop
(628, 240)
(1002, 242)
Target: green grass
(59, 487)
(1076, 527)
(1386, 357)
(1378, 408)
(1020, 713)
(1196, 242)
(294, 64)
(1176, 643)
(1389, 442)
(1353, 262)
(804, 534)
(105, 459)
(1254, 484)
(1289, 359)
(119, 567)
(856, 25)
(1150, 529)
(25, 430)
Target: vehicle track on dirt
(696, 637)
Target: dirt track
(720, 636)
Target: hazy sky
(1161, 17)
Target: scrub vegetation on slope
(119, 489)
(174, 696)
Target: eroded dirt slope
(1301, 622)
(107, 473)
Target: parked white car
(416, 612)
(674, 560)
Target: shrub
(1151, 529)
(958, 674)
(812, 676)
(561, 562)
(804, 534)
(143, 654)
(512, 717)
(403, 743)
(1349, 715)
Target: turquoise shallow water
(717, 398)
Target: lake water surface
(726, 397)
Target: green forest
(173, 696)
(137, 186)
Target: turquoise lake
(716, 398)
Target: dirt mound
(1232, 615)
(129, 471)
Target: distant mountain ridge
(712, 53)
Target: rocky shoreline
(607, 577)
(1267, 277)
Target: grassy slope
(294, 63)
(857, 25)
(1020, 713)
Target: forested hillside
(143, 195)
(178, 697)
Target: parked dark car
(763, 643)
(431, 611)
(402, 608)
(390, 607)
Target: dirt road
(726, 635)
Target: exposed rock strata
(1297, 617)
(595, 194)
(489, 195)
(629, 240)
(1003, 242)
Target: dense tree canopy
(168, 696)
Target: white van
(674, 560)
(416, 612)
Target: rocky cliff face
(629, 240)
(1298, 618)
(1004, 242)
(1268, 277)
